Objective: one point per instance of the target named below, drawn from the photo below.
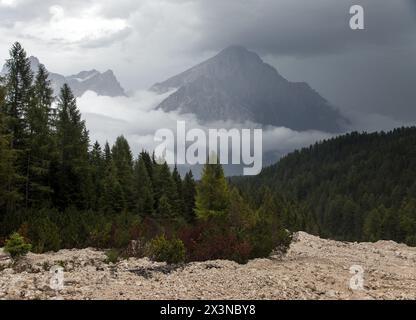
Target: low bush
(16, 246)
(43, 234)
(212, 240)
(112, 256)
(164, 250)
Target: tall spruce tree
(145, 156)
(212, 196)
(122, 159)
(189, 193)
(72, 180)
(9, 195)
(268, 232)
(112, 198)
(107, 154)
(164, 187)
(143, 190)
(408, 221)
(165, 210)
(19, 80)
(179, 202)
(40, 141)
(98, 167)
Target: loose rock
(313, 268)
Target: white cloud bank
(137, 119)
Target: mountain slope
(104, 84)
(237, 85)
(355, 187)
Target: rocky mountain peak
(105, 84)
(237, 85)
(238, 54)
(34, 63)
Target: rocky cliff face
(313, 268)
(104, 84)
(237, 85)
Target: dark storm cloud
(370, 71)
(303, 28)
(412, 4)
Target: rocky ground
(313, 268)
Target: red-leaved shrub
(211, 240)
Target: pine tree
(107, 155)
(268, 210)
(268, 233)
(40, 141)
(373, 225)
(97, 165)
(391, 225)
(240, 215)
(143, 190)
(112, 198)
(97, 156)
(408, 221)
(179, 202)
(19, 80)
(9, 195)
(189, 193)
(148, 163)
(165, 210)
(72, 179)
(123, 161)
(165, 186)
(212, 196)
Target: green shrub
(411, 240)
(266, 238)
(112, 256)
(44, 234)
(16, 246)
(74, 227)
(100, 236)
(164, 250)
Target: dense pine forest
(59, 190)
(357, 187)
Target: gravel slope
(314, 268)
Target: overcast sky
(146, 41)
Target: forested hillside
(353, 187)
(59, 190)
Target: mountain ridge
(237, 85)
(103, 83)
